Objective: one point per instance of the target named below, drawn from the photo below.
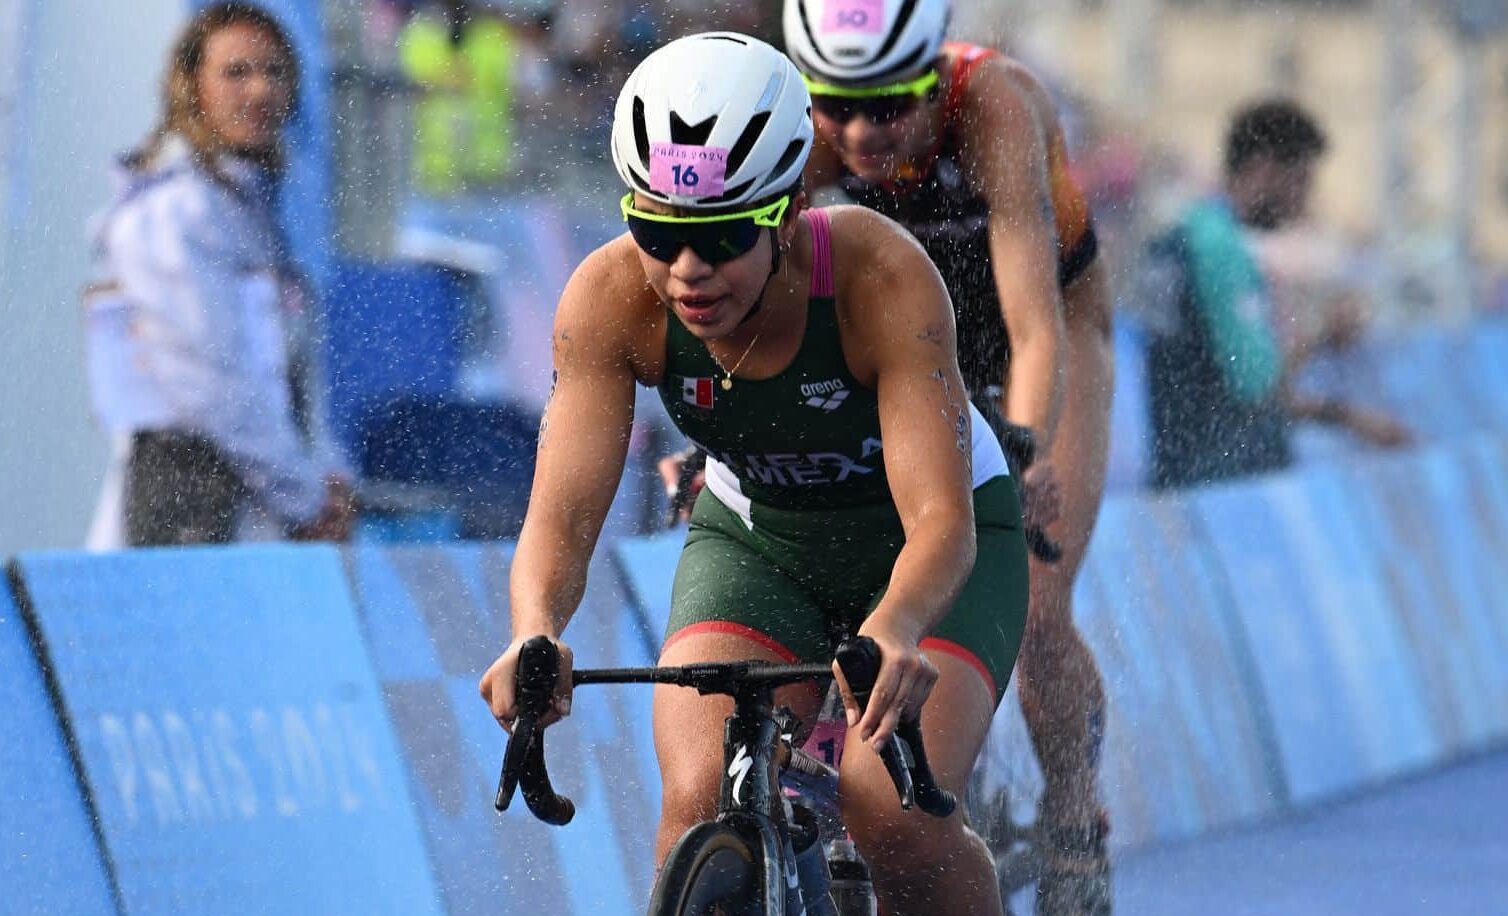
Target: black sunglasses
(714, 239)
(880, 104)
(879, 109)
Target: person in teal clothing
(850, 483)
(1217, 371)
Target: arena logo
(828, 395)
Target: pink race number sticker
(687, 171)
(866, 16)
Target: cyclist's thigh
(728, 581)
(728, 604)
(985, 626)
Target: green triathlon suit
(794, 538)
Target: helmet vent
(691, 134)
(746, 141)
(788, 158)
(902, 19)
(641, 133)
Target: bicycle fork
(751, 789)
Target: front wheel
(711, 871)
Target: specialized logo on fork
(739, 769)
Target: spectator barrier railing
(297, 729)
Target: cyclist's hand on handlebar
(499, 685)
(905, 680)
(1041, 496)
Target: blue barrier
(647, 566)
(436, 618)
(1330, 655)
(230, 731)
(1130, 431)
(1265, 645)
(1187, 740)
(1436, 548)
(1485, 365)
(50, 860)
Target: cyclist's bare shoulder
(1034, 90)
(1004, 95)
(885, 285)
(610, 309)
(871, 252)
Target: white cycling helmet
(712, 121)
(865, 42)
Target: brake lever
(905, 754)
(524, 757)
(930, 797)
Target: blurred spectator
(1218, 370)
(462, 58)
(189, 317)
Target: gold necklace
(727, 382)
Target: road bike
(764, 853)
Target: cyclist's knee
(689, 792)
(897, 841)
(1049, 618)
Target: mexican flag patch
(697, 392)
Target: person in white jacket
(189, 314)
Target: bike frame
(750, 799)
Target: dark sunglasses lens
(712, 242)
(880, 109)
(887, 108)
(831, 106)
(660, 241)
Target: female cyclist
(962, 146)
(811, 354)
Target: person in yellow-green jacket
(462, 60)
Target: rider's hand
(906, 679)
(499, 684)
(671, 467)
(336, 517)
(1041, 496)
(1379, 430)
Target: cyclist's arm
(583, 441)
(904, 323)
(1004, 151)
(1086, 302)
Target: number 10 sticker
(686, 170)
(866, 16)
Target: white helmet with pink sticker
(712, 121)
(856, 43)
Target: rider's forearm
(1087, 303)
(548, 577)
(1034, 391)
(929, 573)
